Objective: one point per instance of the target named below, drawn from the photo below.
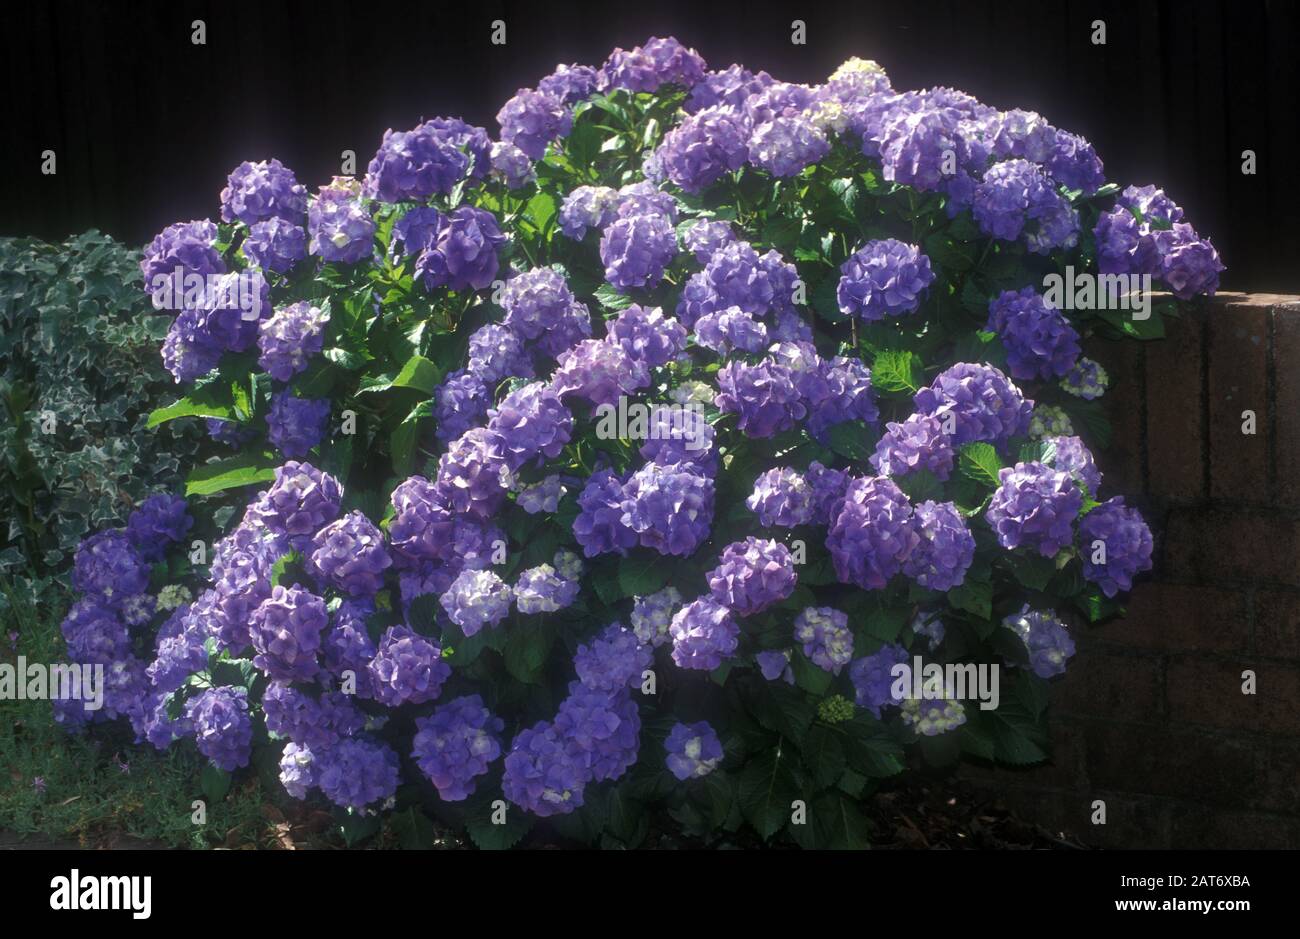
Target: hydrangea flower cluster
(573, 365)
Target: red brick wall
(1150, 717)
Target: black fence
(146, 125)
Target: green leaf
(609, 298)
(767, 787)
(215, 783)
(973, 597)
(247, 469)
(840, 823)
(526, 651)
(849, 439)
(980, 462)
(809, 677)
(418, 373)
(896, 371)
(781, 709)
(413, 829)
(641, 576)
(823, 754)
(199, 404)
(869, 749)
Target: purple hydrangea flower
(670, 507)
(1073, 456)
(350, 554)
(914, 144)
(1016, 197)
(315, 722)
(476, 599)
(512, 166)
(473, 475)
(94, 632)
(177, 659)
(542, 775)
(1086, 380)
(407, 668)
(297, 770)
(644, 198)
(416, 164)
(599, 372)
(1116, 544)
(496, 352)
(107, 565)
(599, 526)
(222, 729)
(784, 146)
(945, 550)
(187, 361)
(706, 238)
(535, 300)
(602, 731)
(340, 226)
(1039, 340)
(704, 633)
(1075, 164)
(532, 119)
(1152, 204)
(1034, 506)
(613, 660)
(838, 390)
(872, 534)
(1189, 264)
(347, 647)
(825, 636)
(873, 679)
(587, 207)
(460, 402)
(984, 404)
(828, 489)
(160, 520)
(774, 664)
(636, 250)
(356, 772)
(680, 433)
(289, 338)
(456, 744)
(258, 191)
(722, 331)
(752, 575)
(763, 395)
(704, 147)
(286, 633)
(694, 750)
(917, 443)
(883, 278)
(648, 336)
(730, 86)
(300, 502)
(659, 62)
(415, 232)
(275, 245)
(190, 246)
(653, 614)
(531, 422)
(464, 254)
(782, 497)
(541, 590)
(296, 425)
(1046, 639)
(542, 496)
(570, 83)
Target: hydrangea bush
(608, 468)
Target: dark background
(146, 125)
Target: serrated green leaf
(767, 787)
(980, 462)
(896, 371)
(247, 469)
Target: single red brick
(1222, 545)
(1286, 356)
(1237, 340)
(1175, 433)
(1277, 624)
(1121, 687)
(1202, 691)
(1181, 617)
